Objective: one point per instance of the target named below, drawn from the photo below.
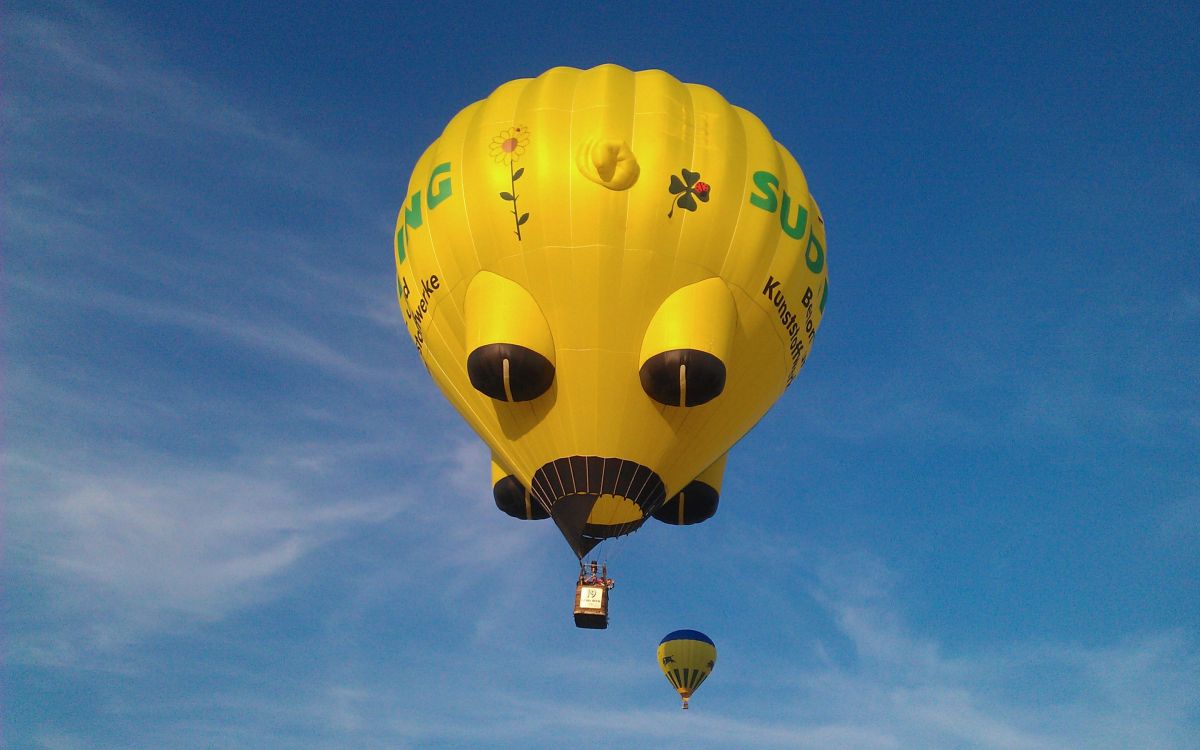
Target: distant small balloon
(686, 657)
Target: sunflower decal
(509, 146)
(687, 191)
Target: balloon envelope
(687, 658)
(612, 276)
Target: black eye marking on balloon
(695, 503)
(683, 377)
(509, 372)
(512, 498)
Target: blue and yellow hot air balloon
(687, 658)
(611, 275)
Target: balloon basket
(591, 607)
(591, 600)
(591, 622)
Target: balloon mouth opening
(593, 498)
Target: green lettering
(412, 212)
(795, 231)
(766, 182)
(434, 197)
(400, 245)
(824, 294)
(815, 261)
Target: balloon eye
(683, 377)
(509, 372)
(498, 312)
(512, 498)
(687, 343)
(695, 503)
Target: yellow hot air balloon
(686, 657)
(611, 275)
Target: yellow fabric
(545, 215)
(498, 471)
(498, 310)
(715, 474)
(611, 510)
(699, 316)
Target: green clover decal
(687, 191)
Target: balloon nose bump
(509, 372)
(683, 377)
(608, 162)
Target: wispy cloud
(898, 689)
(127, 286)
(116, 80)
(321, 507)
(128, 543)
(96, 221)
(1019, 695)
(128, 551)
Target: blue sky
(239, 515)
